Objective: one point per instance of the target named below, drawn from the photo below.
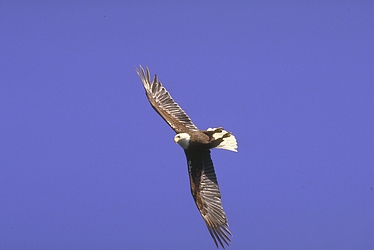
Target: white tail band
(228, 143)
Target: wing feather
(205, 190)
(164, 104)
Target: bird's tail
(229, 140)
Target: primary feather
(164, 104)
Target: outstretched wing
(164, 104)
(205, 191)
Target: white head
(183, 139)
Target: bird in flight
(196, 144)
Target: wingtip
(143, 74)
(140, 69)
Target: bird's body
(196, 144)
(207, 139)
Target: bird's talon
(218, 130)
(228, 134)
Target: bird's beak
(176, 140)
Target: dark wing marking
(205, 191)
(164, 104)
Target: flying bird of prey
(196, 144)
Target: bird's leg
(218, 130)
(215, 141)
(228, 134)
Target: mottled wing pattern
(205, 191)
(164, 104)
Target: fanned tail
(229, 142)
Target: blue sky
(86, 163)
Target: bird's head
(183, 139)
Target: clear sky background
(86, 163)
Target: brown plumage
(196, 144)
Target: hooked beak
(176, 139)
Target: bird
(196, 145)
